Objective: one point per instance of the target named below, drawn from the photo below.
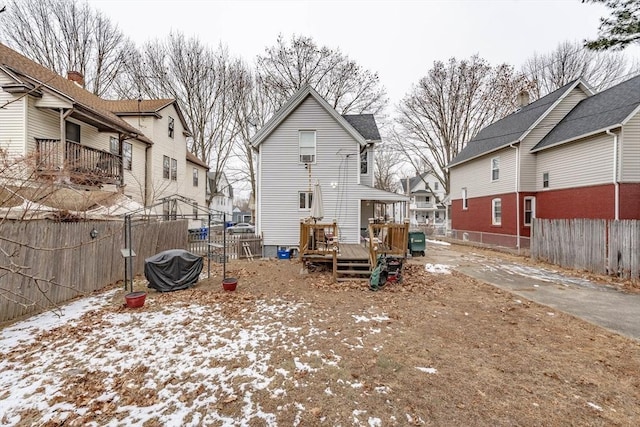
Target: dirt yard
(291, 349)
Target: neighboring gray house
(306, 142)
(427, 205)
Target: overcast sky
(398, 39)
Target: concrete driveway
(598, 303)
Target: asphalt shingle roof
(412, 181)
(134, 106)
(509, 129)
(365, 124)
(26, 68)
(598, 112)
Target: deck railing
(84, 163)
(317, 238)
(388, 239)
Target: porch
(84, 165)
(320, 243)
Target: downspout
(616, 184)
(517, 193)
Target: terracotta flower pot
(135, 299)
(230, 283)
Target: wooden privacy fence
(596, 245)
(45, 263)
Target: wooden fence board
(65, 254)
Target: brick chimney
(76, 77)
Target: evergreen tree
(621, 28)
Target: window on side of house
(72, 132)
(174, 170)
(171, 126)
(165, 210)
(495, 168)
(195, 210)
(545, 180)
(529, 210)
(435, 186)
(364, 162)
(465, 201)
(307, 146)
(496, 212)
(304, 199)
(114, 145)
(195, 177)
(166, 166)
(127, 155)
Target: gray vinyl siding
(282, 177)
(630, 150)
(475, 176)
(12, 121)
(42, 123)
(577, 164)
(528, 177)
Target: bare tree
(448, 107)
(349, 88)
(208, 85)
(387, 163)
(68, 36)
(548, 72)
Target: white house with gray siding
(307, 142)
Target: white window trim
(524, 210)
(308, 197)
(494, 202)
(497, 168)
(548, 180)
(465, 199)
(315, 146)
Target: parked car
(241, 227)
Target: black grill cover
(172, 270)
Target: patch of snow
(438, 242)
(382, 389)
(375, 422)
(594, 406)
(376, 318)
(427, 370)
(437, 268)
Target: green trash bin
(417, 242)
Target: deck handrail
(387, 238)
(318, 238)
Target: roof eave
(576, 138)
(517, 141)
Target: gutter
(616, 184)
(517, 148)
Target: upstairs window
(114, 145)
(307, 146)
(305, 198)
(174, 170)
(72, 132)
(545, 180)
(195, 177)
(435, 186)
(364, 162)
(495, 168)
(166, 165)
(496, 212)
(171, 125)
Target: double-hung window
(495, 168)
(171, 126)
(529, 210)
(364, 162)
(174, 170)
(545, 180)
(195, 177)
(307, 146)
(127, 155)
(496, 212)
(465, 200)
(166, 165)
(304, 199)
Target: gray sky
(398, 39)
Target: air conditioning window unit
(307, 158)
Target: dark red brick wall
(629, 201)
(478, 216)
(584, 202)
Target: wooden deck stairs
(352, 269)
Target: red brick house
(570, 154)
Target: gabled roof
(87, 104)
(365, 124)
(146, 107)
(606, 110)
(514, 127)
(296, 100)
(212, 177)
(412, 181)
(193, 159)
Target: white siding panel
(282, 176)
(12, 121)
(134, 179)
(42, 123)
(630, 149)
(527, 159)
(577, 164)
(475, 175)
